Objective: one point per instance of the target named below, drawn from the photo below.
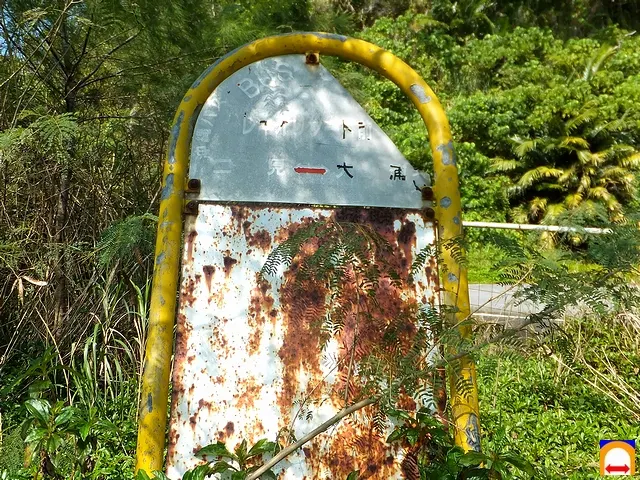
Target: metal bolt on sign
(271, 142)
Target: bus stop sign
(278, 146)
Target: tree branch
(285, 452)
(76, 64)
(81, 83)
(52, 33)
(145, 67)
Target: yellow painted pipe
(155, 380)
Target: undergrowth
(552, 410)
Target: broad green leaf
(241, 451)
(260, 447)
(64, 416)
(54, 442)
(188, 475)
(83, 430)
(399, 414)
(472, 458)
(217, 449)
(221, 467)
(107, 426)
(26, 427)
(518, 462)
(142, 475)
(412, 436)
(38, 408)
(476, 473)
(35, 435)
(198, 473)
(354, 475)
(395, 435)
(157, 475)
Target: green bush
(554, 416)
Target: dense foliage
(555, 120)
(544, 103)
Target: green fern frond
(573, 200)
(582, 119)
(456, 247)
(574, 143)
(504, 165)
(523, 147)
(533, 176)
(10, 140)
(57, 132)
(127, 241)
(554, 210)
(631, 161)
(598, 59)
(421, 259)
(568, 176)
(283, 254)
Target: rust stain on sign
(253, 359)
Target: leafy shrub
(552, 417)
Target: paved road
(496, 302)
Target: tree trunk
(61, 297)
(60, 277)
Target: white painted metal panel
(248, 363)
(282, 131)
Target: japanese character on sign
(277, 166)
(345, 169)
(223, 165)
(202, 134)
(364, 131)
(200, 151)
(397, 173)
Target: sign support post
(155, 381)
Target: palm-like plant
(587, 165)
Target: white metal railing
(544, 228)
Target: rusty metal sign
(250, 362)
(283, 131)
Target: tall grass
(97, 377)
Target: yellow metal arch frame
(155, 379)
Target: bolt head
(312, 58)
(194, 184)
(191, 208)
(427, 194)
(430, 213)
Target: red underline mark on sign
(317, 171)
